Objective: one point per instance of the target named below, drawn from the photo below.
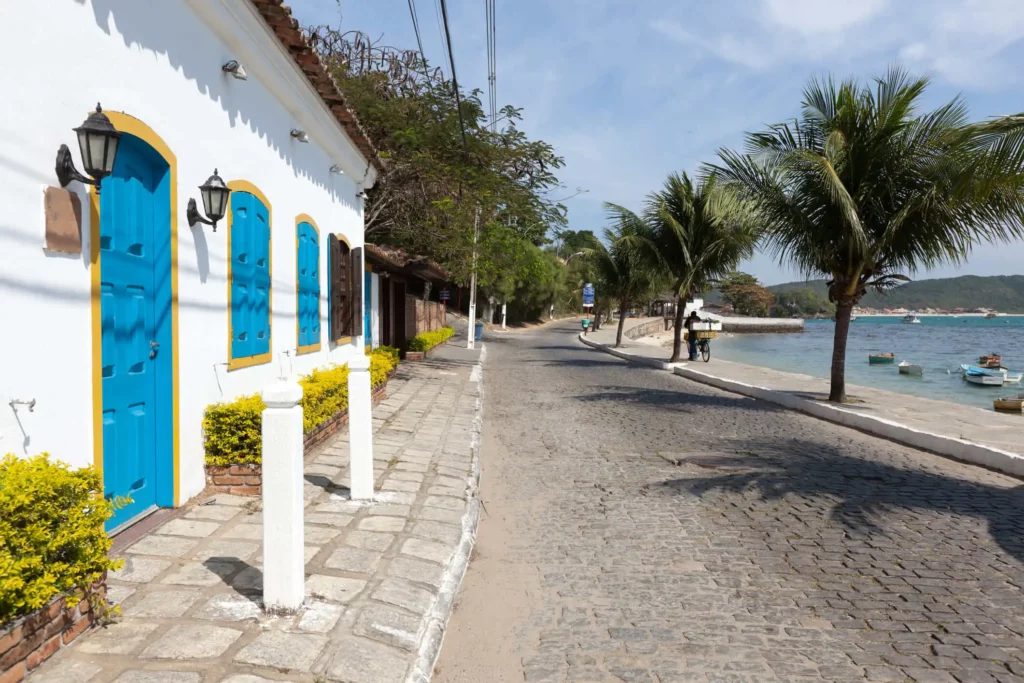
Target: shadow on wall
(147, 26)
(859, 493)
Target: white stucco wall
(159, 62)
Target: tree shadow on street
(862, 491)
(672, 400)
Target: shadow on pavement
(677, 401)
(864, 490)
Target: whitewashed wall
(161, 63)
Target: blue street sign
(444, 294)
(588, 294)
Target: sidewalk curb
(957, 449)
(435, 622)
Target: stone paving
(190, 591)
(676, 532)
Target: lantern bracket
(66, 171)
(194, 216)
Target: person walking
(691, 333)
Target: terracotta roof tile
(279, 18)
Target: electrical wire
(416, 28)
(440, 32)
(455, 79)
(492, 61)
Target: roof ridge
(279, 19)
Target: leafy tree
(863, 189)
(628, 268)
(700, 231)
(426, 199)
(746, 295)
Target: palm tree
(864, 190)
(700, 231)
(627, 269)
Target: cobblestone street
(641, 527)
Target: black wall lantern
(215, 202)
(97, 142)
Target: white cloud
(728, 48)
(815, 17)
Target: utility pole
(471, 342)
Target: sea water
(939, 344)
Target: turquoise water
(938, 344)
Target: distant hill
(1005, 293)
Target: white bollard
(283, 534)
(360, 429)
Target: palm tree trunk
(622, 321)
(677, 336)
(844, 309)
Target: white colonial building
(122, 319)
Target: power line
(455, 79)
(440, 32)
(416, 27)
(492, 61)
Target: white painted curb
(958, 449)
(435, 622)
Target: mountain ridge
(1003, 293)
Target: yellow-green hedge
(233, 430)
(428, 340)
(52, 540)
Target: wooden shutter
(336, 285)
(357, 290)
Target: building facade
(119, 336)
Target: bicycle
(704, 338)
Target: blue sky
(628, 91)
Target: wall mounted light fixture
(215, 202)
(97, 142)
(337, 169)
(300, 135)
(235, 69)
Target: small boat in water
(984, 378)
(910, 319)
(1014, 404)
(908, 368)
(991, 314)
(881, 358)
(993, 361)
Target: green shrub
(52, 540)
(428, 340)
(233, 430)
(390, 350)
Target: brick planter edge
(247, 480)
(28, 641)
(420, 355)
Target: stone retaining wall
(28, 641)
(247, 480)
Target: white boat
(984, 379)
(908, 368)
(910, 319)
(991, 314)
(1008, 377)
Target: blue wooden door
(135, 274)
(367, 300)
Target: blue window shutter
(308, 282)
(241, 274)
(261, 280)
(250, 276)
